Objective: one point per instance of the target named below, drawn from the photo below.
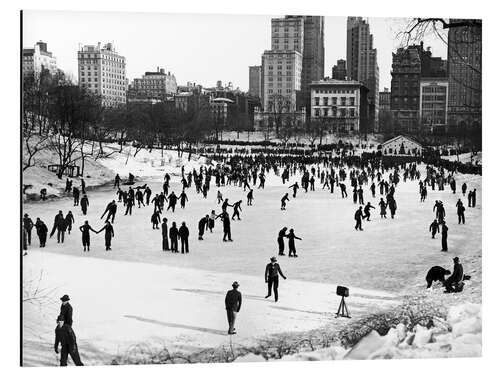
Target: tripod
(342, 311)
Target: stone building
(341, 105)
(101, 70)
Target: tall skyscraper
(37, 58)
(464, 74)
(101, 70)
(313, 57)
(296, 59)
(339, 71)
(254, 80)
(362, 63)
(282, 64)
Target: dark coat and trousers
(273, 271)
(233, 306)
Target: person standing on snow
(271, 277)
(233, 305)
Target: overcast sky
(199, 48)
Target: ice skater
(164, 235)
(292, 251)
(283, 201)
(271, 277)
(358, 217)
(236, 210)
(444, 236)
(281, 242)
(202, 226)
(109, 233)
(434, 228)
(111, 211)
(85, 229)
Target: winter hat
(65, 298)
(273, 259)
(235, 284)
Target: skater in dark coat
(130, 202)
(41, 231)
(250, 197)
(84, 204)
(226, 226)
(281, 242)
(392, 206)
(117, 181)
(65, 336)
(202, 226)
(164, 235)
(109, 233)
(358, 217)
(271, 277)
(172, 201)
(436, 273)
(85, 229)
(434, 228)
(283, 201)
(292, 251)
(76, 196)
(174, 234)
(233, 305)
(367, 211)
(460, 212)
(69, 221)
(383, 208)
(236, 210)
(183, 198)
(28, 226)
(155, 219)
(147, 193)
(225, 205)
(211, 221)
(60, 226)
(184, 236)
(111, 211)
(295, 187)
(444, 236)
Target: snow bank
(459, 336)
(145, 164)
(467, 157)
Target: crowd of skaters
(249, 173)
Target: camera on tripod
(343, 292)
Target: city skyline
(159, 39)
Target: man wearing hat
(66, 310)
(66, 337)
(233, 306)
(271, 276)
(452, 283)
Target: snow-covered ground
(119, 304)
(145, 164)
(468, 157)
(137, 293)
